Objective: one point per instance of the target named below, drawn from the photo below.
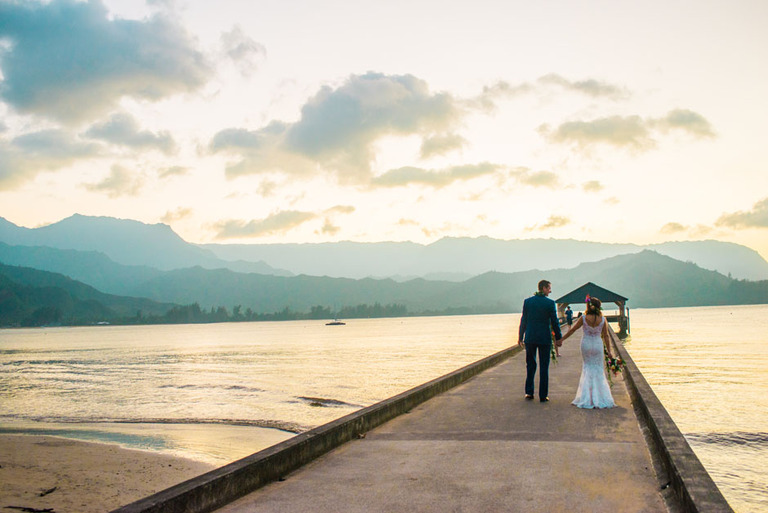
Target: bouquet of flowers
(613, 365)
(552, 351)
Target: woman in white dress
(594, 391)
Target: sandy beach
(83, 477)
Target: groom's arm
(523, 324)
(555, 323)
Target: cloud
(671, 228)
(630, 132)
(70, 61)
(172, 171)
(279, 222)
(340, 209)
(23, 157)
(245, 52)
(329, 228)
(690, 231)
(122, 129)
(502, 90)
(339, 126)
(536, 179)
(589, 87)
(553, 222)
(120, 182)
(176, 215)
(755, 218)
(592, 186)
(441, 144)
(686, 121)
(414, 175)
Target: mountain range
(105, 270)
(135, 244)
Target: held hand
(520, 343)
(559, 342)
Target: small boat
(335, 322)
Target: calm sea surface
(220, 392)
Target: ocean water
(709, 367)
(222, 391)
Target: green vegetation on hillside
(29, 297)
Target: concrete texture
(480, 447)
(469, 442)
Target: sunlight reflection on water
(207, 388)
(708, 366)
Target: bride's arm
(606, 339)
(573, 328)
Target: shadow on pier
(470, 442)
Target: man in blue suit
(538, 322)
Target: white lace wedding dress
(593, 391)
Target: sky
(304, 121)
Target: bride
(593, 391)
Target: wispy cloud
(244, 51)
(23, 157)
(279, 222)
(504, 90)
(339, 126)
(70, 61)
(120, 182)
(434, 178)
(123, 129)
(592, 186)
(340, 209)
(590, 87)
(624, 132)
(629, 132)
(685, 120)
(553, 222)
(441, 144)
(674, 228)
(535, 178)
(176, 215)
(172, 171)
(757, 217)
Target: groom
(537, 323)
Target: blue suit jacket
(539, 320)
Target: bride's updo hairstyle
(594, 305)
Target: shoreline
(88, 477)
(93, 468)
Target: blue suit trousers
(530, 363)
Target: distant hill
(647, 278)
(30, 297)
(124, 242)
(90, 267)
(458, 259)
(135, 244)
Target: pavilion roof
(579, 295)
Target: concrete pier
(478, 446)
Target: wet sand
(85, 477)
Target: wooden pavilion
(579, 296)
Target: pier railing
(694, 488)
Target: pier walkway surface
(481, 447)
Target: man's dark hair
(542, 284)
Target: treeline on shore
(194, 314)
